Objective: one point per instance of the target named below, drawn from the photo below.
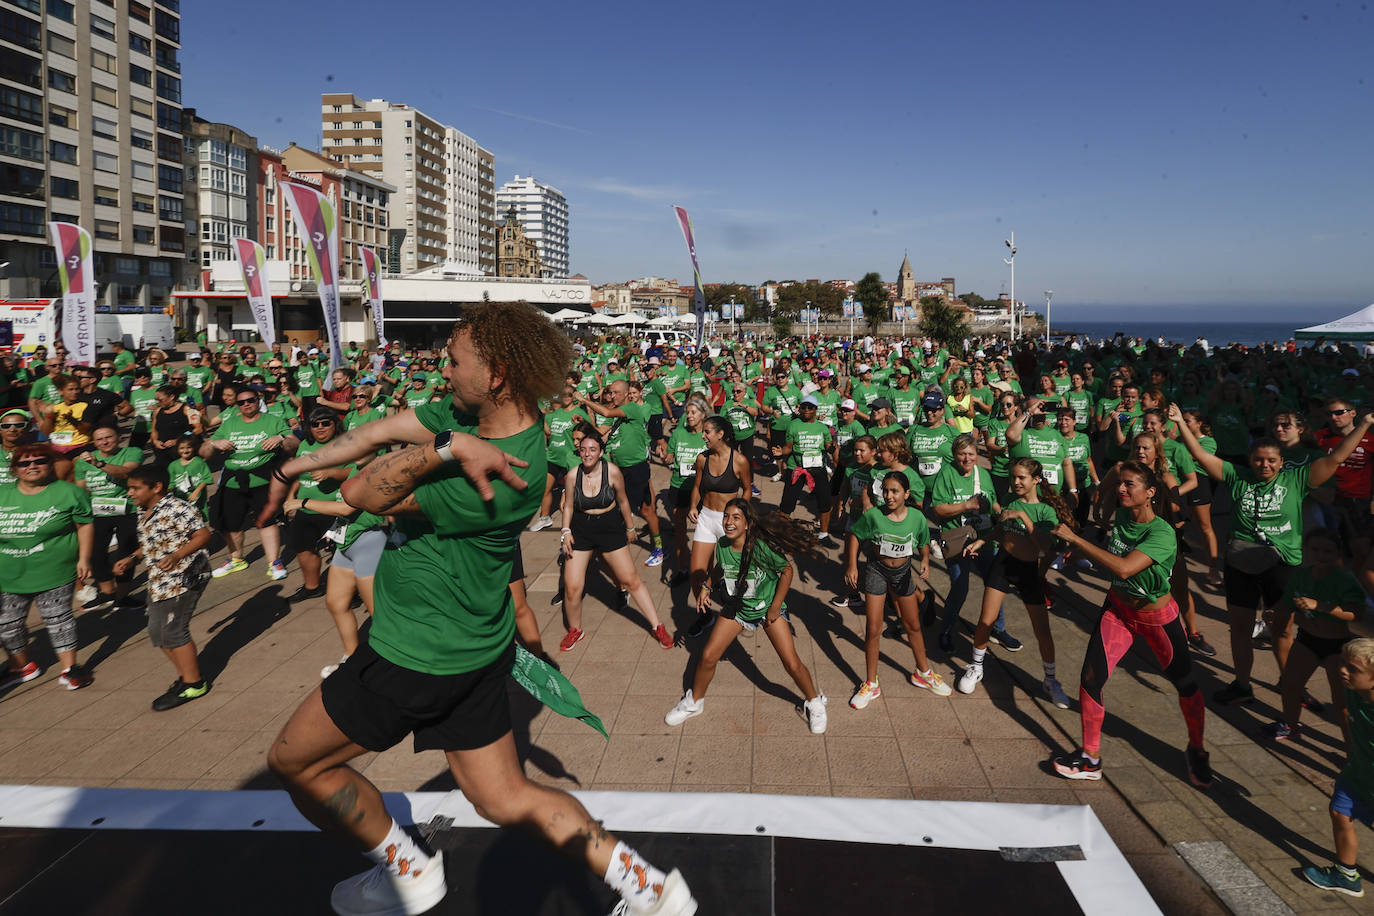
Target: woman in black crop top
(722, 473)
(599, 521)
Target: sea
(1217, 333)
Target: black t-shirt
(101, 411)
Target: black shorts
(517, 569)
(777, 435)
(305, 531)
(1201, 495)
(637, 487)
(234, 509)
(376, 702)
(1249, 590)
(878, 579)
(682, 496)
(1008, 574)
(557, 472)
(602, 533)
(655, 427)
(1324, 647)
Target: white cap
(848, 404)
(863, 367)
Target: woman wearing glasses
(250, 442)
(15, 430)
(45, 544)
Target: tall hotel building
(91, 133)
(445, 181)
(542, 211)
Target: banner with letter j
(76, 269)
(372, 291)
(699, 308)
(253, 262)
(318, 225)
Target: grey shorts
(879, 579)
(169, 621)
(363, 555)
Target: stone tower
(906, 282)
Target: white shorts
(709, 527)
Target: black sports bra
(602, 500)
(725, 482)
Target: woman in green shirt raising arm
(1266, 533)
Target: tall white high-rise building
(542, 211)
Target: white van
(35, 324)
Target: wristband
(567, 531)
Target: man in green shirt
(104, 474)
(198, 377)
(124, 361)
(780, 402)
(627, 445)
(657, 400)
(443, 625)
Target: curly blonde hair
(519, 340)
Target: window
(105, 95)
(126, 266)
(357, 125)
(22, 181)
(338, 109)
(214, 151)
(61, 9)
(238, 158)
(171, 239)
(102, 27)
(21, 30)
(63, 82)
(205, 176)
(169, 147)
(165, 24)
(169, 117)
(21, 106)
(138, 44)
(17, 219)
(166, 56)
(219, 179)
(169, 88)
(141, 170)
(238, 231)
(140, 75)
(128, 291)
(144, 203)
(104, 127)
(107, 196)
(21, 68)
(169, 178)
(141, 139)
(33, 6)
(144, 235)
(64, 187)
(103, 162)
(238, 183)
(62, 152)
(159, 269)
(140, 12)
(102, 61)
(141, 107)
(169, 209)
(271, 252)
(271, 224)
(107, 229)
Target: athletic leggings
(54, 606)
(1116, 632)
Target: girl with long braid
(1024, 529)
(1140, 554)
(751, 566)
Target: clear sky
(1173, 154)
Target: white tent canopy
(568, 315)
(630, 318)
(598, 320)
(1356, 326)
(674, 321)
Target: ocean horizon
(1217, 332)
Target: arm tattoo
(594, 834)
(395, 476)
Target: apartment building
(543, 213)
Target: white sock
(978, 656)
(1049, 669)
(633, 878)
(399, 853)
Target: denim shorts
(1345, 801)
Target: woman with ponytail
(891, 536)
(753, 574)
(1024, 528)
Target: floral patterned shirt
(163, 530)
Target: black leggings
(793, 483)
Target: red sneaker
(573, 637)
(663, 637)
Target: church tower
(906, 282)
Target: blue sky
(1172, 154)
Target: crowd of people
(401, 481)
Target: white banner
(372, 290)
(253, 261)
(318, 225)
(76, 270)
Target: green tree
(943, 323)
(782, 326)
(873, 294)
(972, 300)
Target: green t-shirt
(740, 419)
(760, 579)
(1268, 512)
(904, 404)
(951, 487)
(1180, 460)
(1082, 404)
(38, 536)
(1155, 539)
(326, 490)
(1047, 447)
(865, 393)
(109, 495)
(1042, 516)
(144, 402)
(986, 396)
(186, 477)
(442, 601)
(784, 401)
(355, 418)
(1359, 764)
(860, 479)
(1339, 588)
(915, 483)
(43, 390)
(845, 434)
(683, 448)
(309, 374)
(560, 448)
(1079, 449)
(888, 537)
(827, 406)
(810, 442)
(114, 384)
(248, 453)
(932, 447)
(654, 391)
(675, 376)
(997, 434)
(629, 441)
(199, 377)
(877, 432)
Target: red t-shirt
(1353, 476)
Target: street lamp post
(1049, 294)
(1011, 243)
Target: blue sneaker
(655, 558)
(1331, 879)
(1005, 640)
(757, 492)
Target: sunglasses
(320, 424)
(1337, 413)
(32, 463)
(246, 401)
(360, 397)
(14, 426)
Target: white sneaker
(1056, 693)
(1260, 630)
(1058, 563)
(815, 713)
(970, 678)
(675, 900)
(685, 709)
(936, 551)
(377, 892)
(541, 522)
(776, 478)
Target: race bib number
(928, 468)
(103, 505)
(687, 468)
(750, 587)
(894, 547)
(1051, 474)
(812, 461)
(906, 419)
(336, 531)
(63, 437)
(195, 381)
